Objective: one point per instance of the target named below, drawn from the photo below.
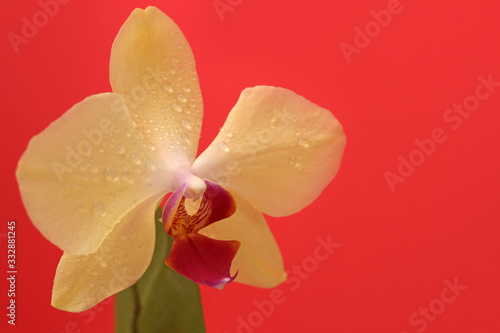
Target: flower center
(195, 187)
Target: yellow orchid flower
(91, 181)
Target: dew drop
(185, 137)
(224, 147)
(186, 124)
(102, 263)
(171, 69)
(177, 107)
(91, 284)
(293, 160)
(167, 86)
(94, 272)
(182, 98)
(175, 59)
(127, 132)
(143, 175)
(125, 176)
(101, 285)
(120, 149)
(186, 88)
(304, 143)
(110, 173)
(98, 207)
(152, 146)
(80, 208)
(149, 185)
(150, 165)
(222, 180)
(134, 158)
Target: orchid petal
(82, 281)
(83, 173)
(258, 261)
(276, 148)
(153, 67)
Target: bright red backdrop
(397, 245)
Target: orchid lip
(199, 258)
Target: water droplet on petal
(224, 147)
(93, 168)
(185, 137)
(186, 88)
(98, 207)
(126, 131)
(177, 107)
(94, 272)
(186, 124)
(102, 263)
(150, 165)
(304, 143)
(222, 181)
(109, 173)
(182, 98)
(168, 87)
(120, 149)
(125, 176)
(293, 160)
(134, 158)
(91, 284)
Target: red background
(397, 247)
